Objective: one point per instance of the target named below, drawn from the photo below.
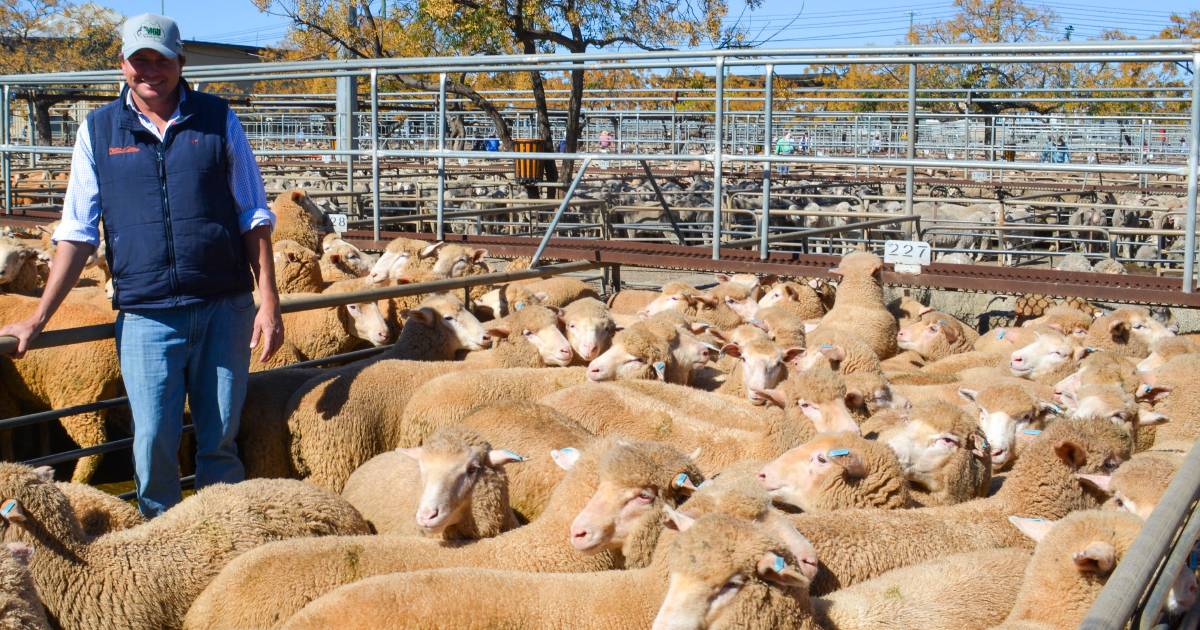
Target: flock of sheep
(767, 453)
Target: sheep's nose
(1018, 360)
(998, 452)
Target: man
(784, 146)
(170, 173)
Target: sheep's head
(1138, 484)
(651, 349)
(349, 258)
(764, 365)
(1113, 403)
(1166, 349)
(1048, 353)
(636, 480)
(749, 281)
(858, 265)
(446, 311)
(1131, 323)
(1067, 320)
(930, 336)
(1008, 417)
(33, 509)
(788, 292)
(539, 327)
(452, 260)
(720, 562)
(936, 434)
(396, 259)
(818, 395)
(13, 256)
(675, 296)
(296, 266)
(452, 463)
(589, 326)
(363, 320)
(824, 473)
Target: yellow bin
(528, 170)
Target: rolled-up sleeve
(81, 207)
(245, 181)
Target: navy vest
(170, 220)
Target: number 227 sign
(906, 253)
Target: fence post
(1193, 162)
(441, 163)
(6, 137)
(718, 150)
(375, 200)
(910, 150)
(768, 140)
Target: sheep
(399, 257)
(456, 261)
(802, 300)
(297, 268)
(820, 396)
(761, 366)
(454, 484)
(976, 589)
(1099, 368)
(654, 348)
(20, 608)
(504, 301)
(66, 376)
(839, 351)
(1072, 562)
(1007, 413)
(559, 290)
(609, 507)
(1128, 331)
(936, 336)
(324, 332)
(855, 545)
(589, 328)
(1110, 402)
(529, 337)
(1166, 349)
(782, 326)
(943, 454)
(1139, 484)
(298, 219)
(696, 305)
(1067, 320)
(1005, 340)
(17, 260)
(859, 308)
(98, 511)
(630, 301)
(835, 471)
(341, 260)
(147, 576)
(1049, 359)
(263, 442)
(604, 599)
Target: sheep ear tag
(11, 512)
(684, 483)
(839, 452)
(660, 368)
(565, 457)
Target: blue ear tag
(1031, 431)
(518, 457)
(1000, 333)
(681, 479)
(780, 565)
(826, 346)
(1035, 518)
(1056, 408)
(7, 508)
(838, 452)
(518, 306)
(660, 366)
(570, 450)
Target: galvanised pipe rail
(837, 229)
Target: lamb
(782, 326)
(1166, 349)
(324, 332)
(802, 300)
(298, 219)
(399, 257)
(505, 300)
(559, 290)
(1004, 341)
(819, 395)
(1072, 562)
(695, 305)
(589, 327)
(1049, 359)
(297, 268)
(654, 348)
(20, 608)
(1099, 368)
(147, 576)
(841, 352)
(855, 545)
(630, 301)
(456, 261)
(1128, 331)
(1007, 414)
(761, 366)
(1067, 320)
(529, 337)
(835, 471)
(936, 336)
(1172, 390)
(65, 376)
(859, 308)
(942, 453)
(1140, 483)
(16, 261)
(609, 505)
(607, 599)
(341, 260)
(454, 484)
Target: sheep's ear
(834, 353)
(695, 455)
(676, 520)
(11, 512)
(478, 254)
(1102, 483)
(721, 335)
(850, 461)
(853, 399)
(1146, 418)
(721, 277)
(430, 250)
(968, 394)
(1118, 330)
(773, 568)
(45, 473)
(923, 311)
(424, 316)
(1056, 326)
(335, 258)
(774, 396)
(768, 280)
(499, 457)
(790, 291)
(413, 453)
(292, 256)
(792, 356)
(683, 483)
(1098, 558)
(732, 350)
(297, 195)
(951, 331)
(1034, 528)
(1071, 454)
(706, 300)
(566, 458)
(23, 552)
(499, 329)
(698, 328)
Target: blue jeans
(202, 350)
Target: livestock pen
(703, 189)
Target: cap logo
(149, 32)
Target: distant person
(492, 144)
(1047, 151)
(876, 143)
(805, 144)
(605, 141)
(785, 146)
(562, 145)
(1062, 154)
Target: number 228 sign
(906, 253)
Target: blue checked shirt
(81, 208)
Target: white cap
(156, 32)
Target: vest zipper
(166, 206)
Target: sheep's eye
(821, 459)
(729, 588)
(527, 333)
(674, 298)
(1111, 464)
(571, 326)
(449, 318)
(804, 404)
(1138, 326)
(645, 496)
(947, 441)
(1120, 503)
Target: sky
(784, 23)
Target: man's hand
(25, 331)
(268, 328)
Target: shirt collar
(183, 95)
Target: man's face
(151, 75)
